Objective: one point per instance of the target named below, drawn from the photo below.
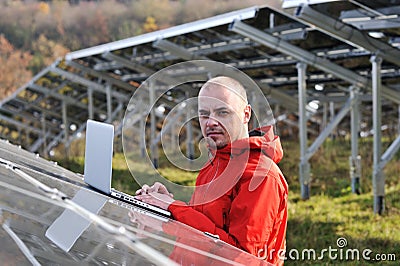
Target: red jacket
(241, 196)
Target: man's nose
(211, 121)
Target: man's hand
(157, 195)
(157, 199)
(157, 187)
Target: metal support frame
(329, 128)
(345, 74)
(306, 154)
(102, 76)
(28, 117)
(355, 158)
(332, 116)
(304, 164)
(65, 123)
(142, 130)
(90, 102)
(109, 103)
(309, 58)
(390, 152)
(39, 141)
(20, 125)
(398, 120)
(255, 107)
(176, 50)
(53, 93)
(347, 33)
(153, 144)
(189, 135)
(378, 178)
(31, 106)
(88, 83)
(167, 33)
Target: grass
(332, 212)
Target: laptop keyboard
(128, 198)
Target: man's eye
(223, 112)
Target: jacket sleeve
(187, 215)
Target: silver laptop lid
(98, 155)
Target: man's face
(222, 115)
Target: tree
(150, 25)
(46, 51)
(14, 70)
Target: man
(240, 195)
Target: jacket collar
(264, 141)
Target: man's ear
(247, 114)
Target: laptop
(98, 165)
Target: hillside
(35, 33)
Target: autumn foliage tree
(35, 33)
(14, 70)
(46, 52)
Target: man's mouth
(214, 133)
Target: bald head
(223, 110)
(228, 83)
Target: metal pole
(142, 130)
(378, 179)
(153, 145)
(398, 121)
(324, 116)
(65, 123)
(328, 129)
(43, 120)
(255, 106)
(109, 103)
(355, 158)
(189, 129)
(332, 116)
(90, 102)
(304, 164)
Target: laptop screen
(98, 155)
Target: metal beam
(347, 34)
(56, 95)
(132, 65)
(304, 165)
(47, 112)
(176, 50)
(378, 178)
(295, 3)
(30, 118)
(309, 58)
(355, 158)
(20, 124)
(39, 141)
(78, 79)
(166, 33)
(329, 128)
(109, 103)
(102, 75)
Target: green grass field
(333, 213)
